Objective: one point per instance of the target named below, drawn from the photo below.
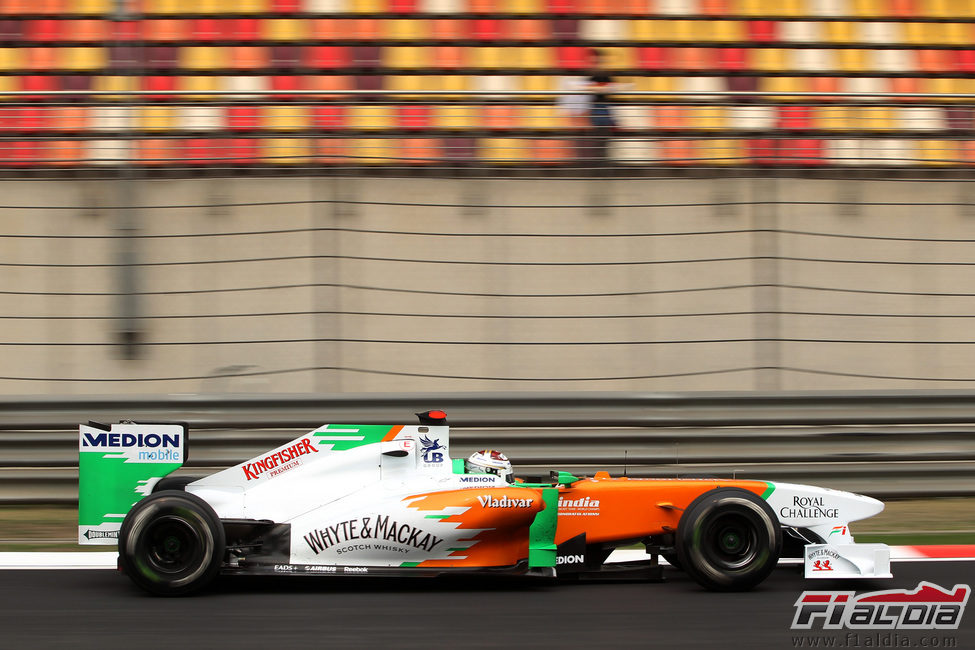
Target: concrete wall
(346, 285)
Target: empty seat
(245, 57)
(326, 6)
(414, 117)
(805, 31)
(371, 118)
(107, 152)
(284, 29)
(198, 83)
(156, 118)
(285, 118)
(242, 118)
(166, 30)
(203, 58)
(245, 87)
(200, 118)
(454, 118)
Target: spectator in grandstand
(601, 118)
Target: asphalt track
(102, 609)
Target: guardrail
(893, 444)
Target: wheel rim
(173, 545)
(730, 541)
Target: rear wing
(117, 466)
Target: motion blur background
(388, 196)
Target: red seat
(18, 154)
(159, 82)
(402, 6)
(801, 151)
(328, 117)
(326, 56)
(40, 83)
(573, 58)
(795, 118)
(203, 151)
(286, 56)
(732, 58)
(654, 58)
(44, 30)
(246, 29)
(486, 29)
(413, 117)
(763, 31)
(285, 82)
(285, 6)
(562, 6)
(243, 118)
(761, 151)
(126, 30)
(207, 30)
(242, 151)
(964, 60)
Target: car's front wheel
(728, 539)
(171, 543)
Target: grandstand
(299, 83)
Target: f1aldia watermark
(926, 607)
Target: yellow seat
(503, 151)
(403, 83)
(115, 83)
(156, 118)
(937, 152)
(869, 8)
(949, 87)
(485, 58)
(840, 31)
(452, 83)
(289, 117)
(83, 58)
(522, 6)
(657, 84)
(8, 84)
(941, 8)
(542, 83)
(651, 30)
(721, 152)
(619, 58)
(874, 118)
(200, 83)
(371, 118)
(539, 118)
(728, 31)
(167, 6)
(285, 151)
(455, 118)
(366, 6)
(11, 58)
(769, 59)
(285, 29)
(834, 118)
(789, 8)
(91, 7)
(852, 60)
(782, 84)
(203, 58)
(406, 57)
(375, 151)
(706, 118)
(252, 6)
(955, 33)
(534, 58)
(405, 29)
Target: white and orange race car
(389, 500)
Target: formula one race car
(389, 500)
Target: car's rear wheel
(728, 539)
(171, 543)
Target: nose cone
(805, 505)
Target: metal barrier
(43, 132)
(895, 444)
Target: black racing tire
(171, 543)
(728, 539)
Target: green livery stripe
(436, 516)
(370, 433)
(541, 535)
(410, 565)
(769, 489)
(451, 550)
(108, 485)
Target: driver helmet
(489, 461)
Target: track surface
(102, 609)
